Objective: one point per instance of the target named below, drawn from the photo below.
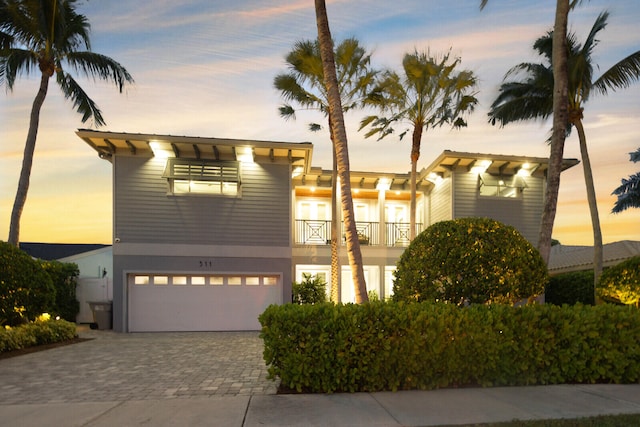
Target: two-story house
(208, 232)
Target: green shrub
(312, 290)
(26, 290)
(621, 283)
(570, 288)
(469, 260)
(65, 279)
(42, 331)
(391, 346)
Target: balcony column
(382, 229)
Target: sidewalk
(406, 408)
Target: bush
(570, 288)
(469, 260)
(65, 279)
(26, 290)
(621, 283)
(312, 290)
(391, 346)
(42, 331)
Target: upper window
(500, 186)
(190, 176)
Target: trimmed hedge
(26, 290)
(391, 346)
(65, 278)
(570, 288)
(621, 283)
(36, 333)
(469, 261)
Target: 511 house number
(206, 264)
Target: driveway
(122, 367)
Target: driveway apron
(121, 367)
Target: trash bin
(101, 313)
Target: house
(208, 232)
(569, 258)
(94, 263)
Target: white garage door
(174, 302)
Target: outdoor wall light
(161, 150)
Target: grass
(623, 420)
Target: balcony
(318, 232)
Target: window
(190, 176)
(500, 186)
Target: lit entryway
(184, 302)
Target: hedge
(42, 331)
(570, 288)
(395, 345)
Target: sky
(206, 68)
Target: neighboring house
(95, 270)
(565, 258)
(208, 232)
(95, 283)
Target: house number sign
(206, 264)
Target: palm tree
(304, 85)
(341, 152)
(629, 191)
(430, 95)
(530, 98)
(49, 34)
(560, 121)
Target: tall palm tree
(304, 85)
(629, 191)
(430, 94)
(560, 120)
(341, 152)
(531, 98)
(49, 35)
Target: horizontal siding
(523, 213)
(440, 208)
(145, 213)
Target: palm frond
(628, 194)
(99, 66)
(15, 61)
(81, 100)
(620, 75)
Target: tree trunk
(335, 227)
(560, 120)
(593, 204)
(341, 150)
(415, 155)
(27, 162)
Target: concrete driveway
(122, 367)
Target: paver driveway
(122, 367)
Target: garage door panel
(171, 307)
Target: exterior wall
(522, 212)
(440, 202)
(159, 232)
(145, 213)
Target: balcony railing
(318, 232)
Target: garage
(199, 302)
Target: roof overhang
(109, 144)
(495, 164)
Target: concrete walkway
(219, 379)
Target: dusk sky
(206, 68)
